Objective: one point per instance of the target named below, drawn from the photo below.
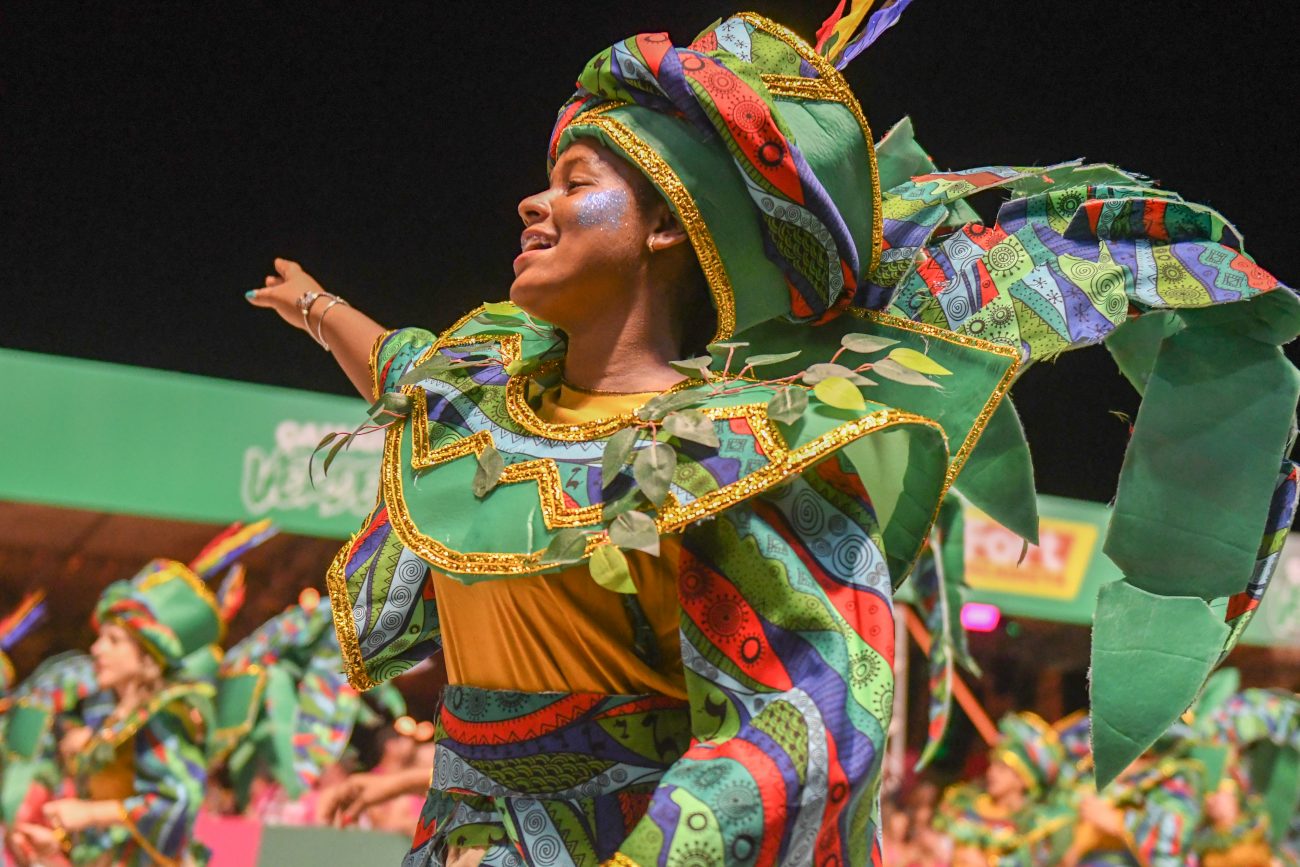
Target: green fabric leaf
(693, 425)
(866, 343)
(633, 499)
(1135, 344)
(918, 361)
(695, 368)
(617, 450)
(657, 407)
(523, 365)
(490, 467)
(501, 308)
(437, 363)
(1201, 466)
(817, 372)
(838, 392)
(892, 370)
(787, 405)
(1150, 656)
(609, 569)
(334, 451)
(998, 477)
(951, 530)
(653, 470)
(567, 546)
(730, 344)
(765, 359)
(636, 531)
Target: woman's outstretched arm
(349, 333)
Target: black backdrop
(157, 155)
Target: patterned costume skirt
(544, 778)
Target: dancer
(1015, 817)
(660, 578)
(138, 757)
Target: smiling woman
(662, 578)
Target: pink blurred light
(979, 617)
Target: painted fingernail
(250, 294)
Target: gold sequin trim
(839, 91)
(374, 363)
(619, 860)
(544, 471)
(145, 844)
(715, 272)
(345, 627)
(990, 405)
(783, 463)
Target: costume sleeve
(787, 638)
(170, 776)
(1160, 831)
(384, 612)
(393, 354)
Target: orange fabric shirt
(562, 632)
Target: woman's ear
(667, 233)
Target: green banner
(106, 437)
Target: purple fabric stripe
(877, 23)
(817, 200)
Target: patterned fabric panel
(787, 638)
(1062, 266)
(544, 778)
(170, 776)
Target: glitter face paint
(605, 209)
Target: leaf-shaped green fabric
(610, 570)
(1198, 476)
(653, 470)
(998, 477)
(1135, 344)
(1150, 656)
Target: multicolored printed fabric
(163, 744)
(302, 709)
(787, 641)
(535, 776)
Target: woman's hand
(74, 814)
(283, 291)
(74, 741)
(35, 844)
(343, 803)
(347, 332)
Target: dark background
(157, 155)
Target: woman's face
(585, 236)
(1001, 781)
(118, 657)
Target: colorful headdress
(761, 149)
(22, 620)
(1031, 748)
(169, 608)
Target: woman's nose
(535, 208)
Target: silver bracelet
(320, 323)
(304, 304)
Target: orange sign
(1052, 569)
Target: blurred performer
(1012, 818)
(138, 758)
(661, 573)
